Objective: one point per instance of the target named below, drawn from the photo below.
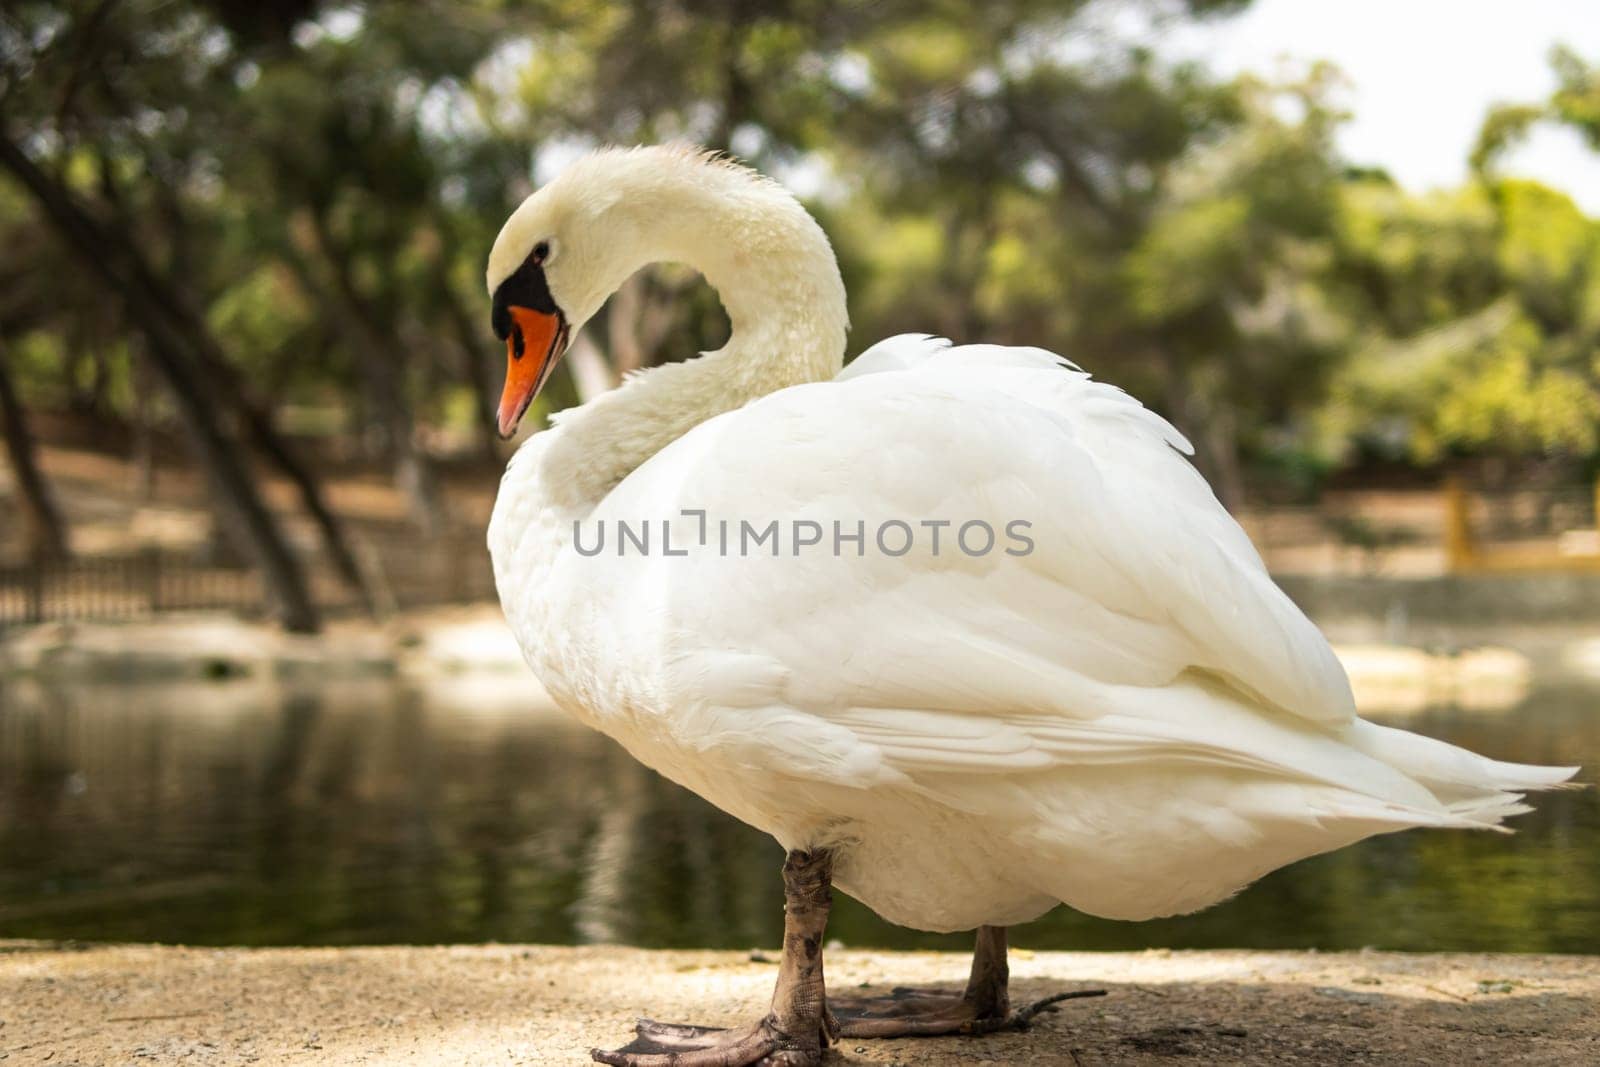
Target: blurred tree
(1477, 341)
(1575, 103)
(1159, 225)
(1485, 304)
(1226, 282)
(348, 190)
(45, 533)
(930, 133)
(278, 211)
(92, 82)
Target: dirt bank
(514, 1005)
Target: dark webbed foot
(671, 1045)
(794, 1031)
(982, 1008)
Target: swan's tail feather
(1489, 812)
(1529, 776)
(1475, 791)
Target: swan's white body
(1131, 718)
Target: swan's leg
(794, 1031)
(982, 1008)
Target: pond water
(254, 814)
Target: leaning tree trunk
(1221, 445)
(380, 353)
(482, 369)
(267, 441)
(480, 361)
(46, 534)
(638, 319)
(154, 308)
(225, 383)
(592, 376)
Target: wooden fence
(1546, 533)
(1396, 534)
(402, 574)
(1421, 533)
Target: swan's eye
(541, 251)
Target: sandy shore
(514, 1005)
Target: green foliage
(324, 179)
(1576, 100)
(1187, 254)
(1512, 405)
(1416, 262)
(1484, 304)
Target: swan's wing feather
(877, 664)
(905, 351)
(922, 351)
(1154, 520)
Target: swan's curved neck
(777, 278)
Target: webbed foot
(673, 1045)
(794, 1031)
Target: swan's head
(572, 244)
(540, 290)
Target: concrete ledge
(512, 1005)
(212, 647)
(1544, 599)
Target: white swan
(1129, 718)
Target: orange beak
(533, 348)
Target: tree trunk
(144, 438)
(483, 363)
(226, 384)
(624, 325)
(46, 533)
(379, 351)
(156, 309)
(1221, 439)
(480, 364)
(591, 374)
(956, 283)
(266, 440)
(639, 318)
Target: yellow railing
(1465, 555)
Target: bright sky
(1423, 74)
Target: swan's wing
(961, 659)
(1133, 502)
(920, 351)
(906, 351)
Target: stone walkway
(514, 1005)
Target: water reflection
(244, 813)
